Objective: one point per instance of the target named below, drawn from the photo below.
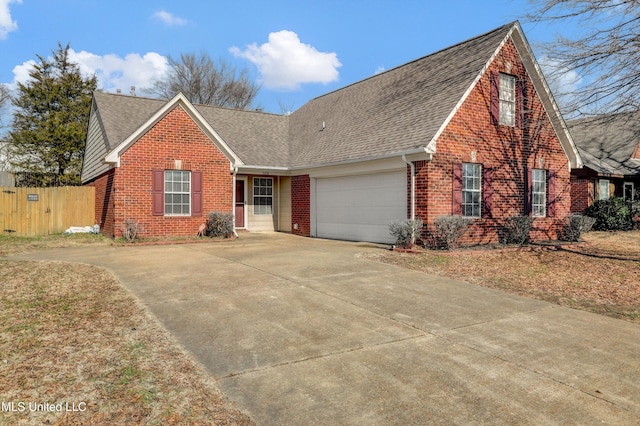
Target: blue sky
(296, 50)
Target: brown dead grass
(13, 245)
(71, 335)
(600, 275)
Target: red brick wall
(581, 194)
(301, 205)
(509, 151)
(104, 201)
(175, 137)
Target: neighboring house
(610, 148)
(471, 130)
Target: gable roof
(400, 111)
(122, 115)
(395, 111)
(181, 101)
(406, 108)
(118, 120)
(607, 143)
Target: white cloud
(285, 63)
(7, 24)
(113, 71)
(562, 81)
(168, 19)
(21, 72)
(379, 70)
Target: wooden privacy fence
(44, 211)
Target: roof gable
(406, 108)
(636, 153)
(121, 115)
(545, 96)
(178, 101)
(112, 119)
(393, 112)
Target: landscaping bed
(600, 274)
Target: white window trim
(188, 173)
(477, 190)
(507, 106)
(256, 207)
(603, 183)
(539, 209)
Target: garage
(360, 207)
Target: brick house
(610, 148)
(471, 130)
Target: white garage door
(360, 208)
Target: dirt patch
(597, 275)
(76, 348)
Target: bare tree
(4, 95)
(5, 99)
(204, 82)
(286, 108)
(604, 55)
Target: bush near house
(406, 231)
(131, 230)
(575, 226)
(613, 214)
(219, 224)
(446, 232)
(516, 230)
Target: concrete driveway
(301, 331)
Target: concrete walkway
(300, 331)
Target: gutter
(413, 185)
(285, 171)
(233, 198)
(422, 151)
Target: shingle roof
(398, 110)
(257, 138)
(121, 115)
(607, 143)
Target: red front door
(239, 204)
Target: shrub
(447, 231)
(516, 230)
(575, 226)
(406, 231)
(613, 214)
(219, 224)
(131, 230)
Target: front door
(239, 204)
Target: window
(507, 100)
(471, 189)
(177, 193)
(603, 193)
(262, 196)
(538, 193)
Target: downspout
(413, 185)
(233, 198)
